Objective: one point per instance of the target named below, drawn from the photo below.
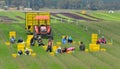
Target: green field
(109, 27)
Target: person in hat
(20, 52)
(40, 42)
(12, 40)
(82, 46)
(64, 40)
(70, 40)
(27, 51)
(49, 46)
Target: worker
(64, 40)
(12, 40)
(70, 40)
(20, 52)
(49, 46)
(82, 46)
(59, 50)
(32, 42)
(64, 50)
(27, 51)
(71, 49)
(40, 42)
(102, 40)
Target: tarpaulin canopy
(42, 17)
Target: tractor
(38, 23)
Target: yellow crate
(20, 47)
(86, 50)
(94, 39)
(7, 43)
(12, 33)
(94, 42)
(95, 36)
(69, 52)
(94, 47)
(21, 44)
(52, 53)
(44, 47)
(54, 48)
(58, 43)
(14, 55)
(74, 42)
(103, 49)
(33, 54)
(109, 43)
(83, 12)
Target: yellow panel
(31, 21)
(30, 18)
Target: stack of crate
(93, 46)
(94, 38)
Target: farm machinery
(38, 23)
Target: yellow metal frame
(31, 21)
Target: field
(74, 24)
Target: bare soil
(5, 19)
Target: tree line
(66, 4)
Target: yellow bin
(14, 55)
